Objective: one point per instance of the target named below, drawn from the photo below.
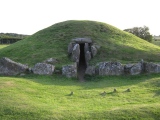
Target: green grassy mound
(53, 41)
(34, 97)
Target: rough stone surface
(70, 48)
(87, 56)
(127, 68)
(82, 40)
(9, 67)
(43, 69)
(76, 53)
(90, 70)
(51, 61)
(97, 46)
(86, 47)
(70, 70)
(133, 69)
(93, 50)
(136, 69)
(152, 67)
(110, 68)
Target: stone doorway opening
(82, 63)
(81, 51)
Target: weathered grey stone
(136, 69)
(90, 70)
(86, 47)
(9, 67)
(51, 61)
(152, 67)
(133, 69)
(110, 68)
(127, 68)
(76, 53)
(93, 50)
(82, 40)
(70, 70)
(87, 56)
(70, 48)
(43, 69)
(97, 46)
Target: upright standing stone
(93, 50)
(86, 47)
(76, 53)
(70, 48)
(87, 56)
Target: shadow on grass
(92, 82)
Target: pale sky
(30, 16)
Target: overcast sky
(30, 16)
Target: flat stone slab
(82, 40)
(9, 67)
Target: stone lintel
(82, 40)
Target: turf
(48, 97)
(116, 45)
(3, 46)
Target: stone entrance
(81, 51)
(82, 63)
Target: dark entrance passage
(82, 63)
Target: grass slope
(53, 41)
(3, 46)
(47, 97)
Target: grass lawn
(34, 97)
(3, 46)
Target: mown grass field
(34, 97)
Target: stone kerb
(70, 70)
(43, 69)
(9, 67)
(116, 68)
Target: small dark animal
(114, 90)
(128, 90)
(104, 93)
(71, 93)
